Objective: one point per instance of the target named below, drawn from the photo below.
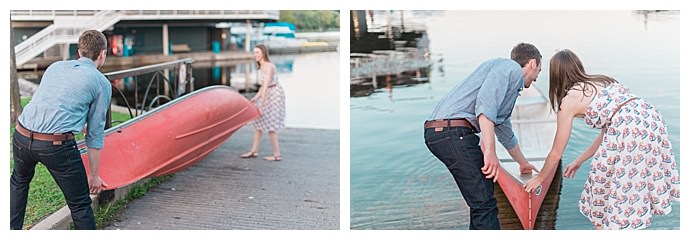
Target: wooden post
(166, 52)
(15, 99)
(248, 36)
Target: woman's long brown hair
(264, 50)
(566, 71)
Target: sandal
(250, 154)
(273, 158)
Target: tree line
(312, 20)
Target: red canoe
(535, 126)
(171, 137)
(526, 205)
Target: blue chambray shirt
(71, 93)
(492, 90)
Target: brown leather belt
(439, 124)
(56, 138)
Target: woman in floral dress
(633, 173)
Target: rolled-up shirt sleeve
(492, 93)
(97, 114)
(506, 136)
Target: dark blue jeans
(65, 165)
(458, 148)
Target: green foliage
(106, 213)
(24, 101)
(312, 20)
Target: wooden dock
(304, 49)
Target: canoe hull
(535, 126)
(525, 205)
(171, 137)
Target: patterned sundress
(633, 173)
(272, 107)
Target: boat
(279, 29)
(534, 124)
(274, 35)
(171, 137)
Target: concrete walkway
(226, 192)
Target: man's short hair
(523, 52)
(91, 43)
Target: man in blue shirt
(482, 103)
(71, 94)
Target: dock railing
(172, 79)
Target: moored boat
(172, 137)
(534, 125)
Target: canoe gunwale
(161, 108)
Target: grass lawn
(45, 196)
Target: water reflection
(656, 15)
(240, 75)
(387, 51)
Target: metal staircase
(69, 24)
(64, 30)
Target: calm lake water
(396, 183)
